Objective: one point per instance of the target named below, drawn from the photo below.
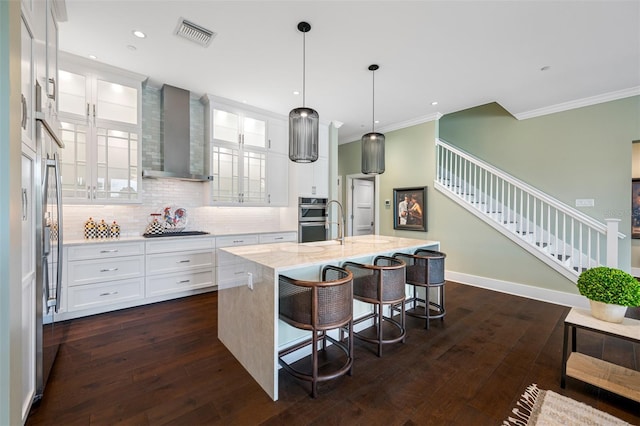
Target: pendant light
(373, 143)
(303, 121)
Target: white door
(363, 207)
(28, 286)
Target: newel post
(612, 242)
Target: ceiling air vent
(194, 32)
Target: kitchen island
(248, 323)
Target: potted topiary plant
(610, 291)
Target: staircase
(564, 238)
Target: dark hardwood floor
(163, 364)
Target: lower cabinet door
(157, 285)
(107, 293)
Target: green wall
(409, 162)
(581, 153)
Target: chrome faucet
(340, 224)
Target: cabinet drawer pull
(108, 294)
(279, 238)
(109, 251)
(238, 241)
(239, 273)
(183, 281)
(108, 270)
(183, 261)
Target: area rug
(546, 408)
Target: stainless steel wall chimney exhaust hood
(176, 139)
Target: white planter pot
(607, 312)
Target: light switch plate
(585, 202)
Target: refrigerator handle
(56, 162)
(45, 274)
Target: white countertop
(134, 238)
(282, 256)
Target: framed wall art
(410, 208)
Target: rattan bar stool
(425, 268)
(319, 306)
(382, 283)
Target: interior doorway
(362, 204)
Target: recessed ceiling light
(434, 103)
(377, 121)
(295, 92)
(131, 47)
(93, 57)
(139, 34)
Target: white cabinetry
(238, 154)
(278, 237)
(28, 230)
(248, 150)
(104, 274)
(28, 333)
(26, 84)
(278, 164)
(100, 114)
(45, 15)
(313, 178)
(230, 273)
(175, 266)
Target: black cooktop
(176, 234)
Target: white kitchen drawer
(279, 237)
(93, 295)
(234, 274)
(180, 244)
(96, 270)
(237, 240)
(162, 263)
(106, 250)
(181, 281)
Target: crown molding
(579, 103)
(394, 126)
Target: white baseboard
(523, 290)
(635, 272)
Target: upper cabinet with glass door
(239, 148)
(100, 115)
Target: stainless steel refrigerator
(49, 238)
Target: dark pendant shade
(303, 135)
(373, 142)
(303, 121)
(373, 153)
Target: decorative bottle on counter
(103, 230)
(90, 229)
(154, 227)
(115, 230)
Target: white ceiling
(458, 53)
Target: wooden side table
(595, 371)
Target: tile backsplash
(160, 193)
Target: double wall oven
(312, 216)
